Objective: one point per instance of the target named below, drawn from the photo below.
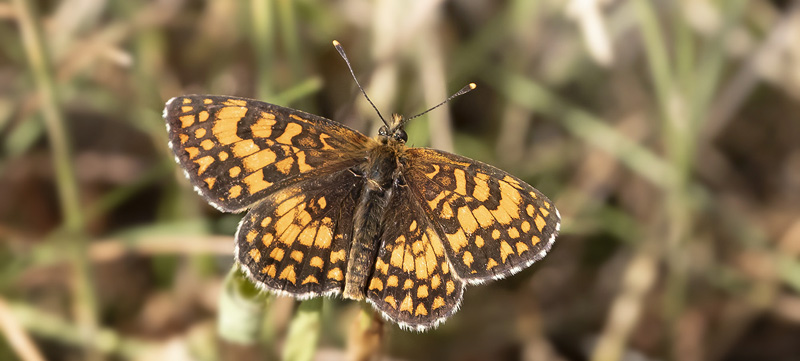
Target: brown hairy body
(383, 172)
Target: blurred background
(666, 132)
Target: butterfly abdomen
(366, 236)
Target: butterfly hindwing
(491, 223)
(235, 150)
(412, 283)
(296, 241)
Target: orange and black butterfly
(331, 211)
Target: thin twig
(263, 38)
(17, 338)
(84, 300)
(627, 306)
(62, 153)
(55, 328)
(108, 250)
(367, 336)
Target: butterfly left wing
(296, 241)
(412, 283)
(235, 151)
(492, 224)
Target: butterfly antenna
(339, 48)
(463, 91)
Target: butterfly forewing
(412, 283)
(235, 150)
(296, 240)
(491, 223)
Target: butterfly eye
(400, 135)
(383, 131)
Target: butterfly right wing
(412, 283)
(235, 150)
(492, 224)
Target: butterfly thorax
(382, 172)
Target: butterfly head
(394, 129)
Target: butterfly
(331, 211)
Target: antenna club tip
(472, 86)
(336, 43)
